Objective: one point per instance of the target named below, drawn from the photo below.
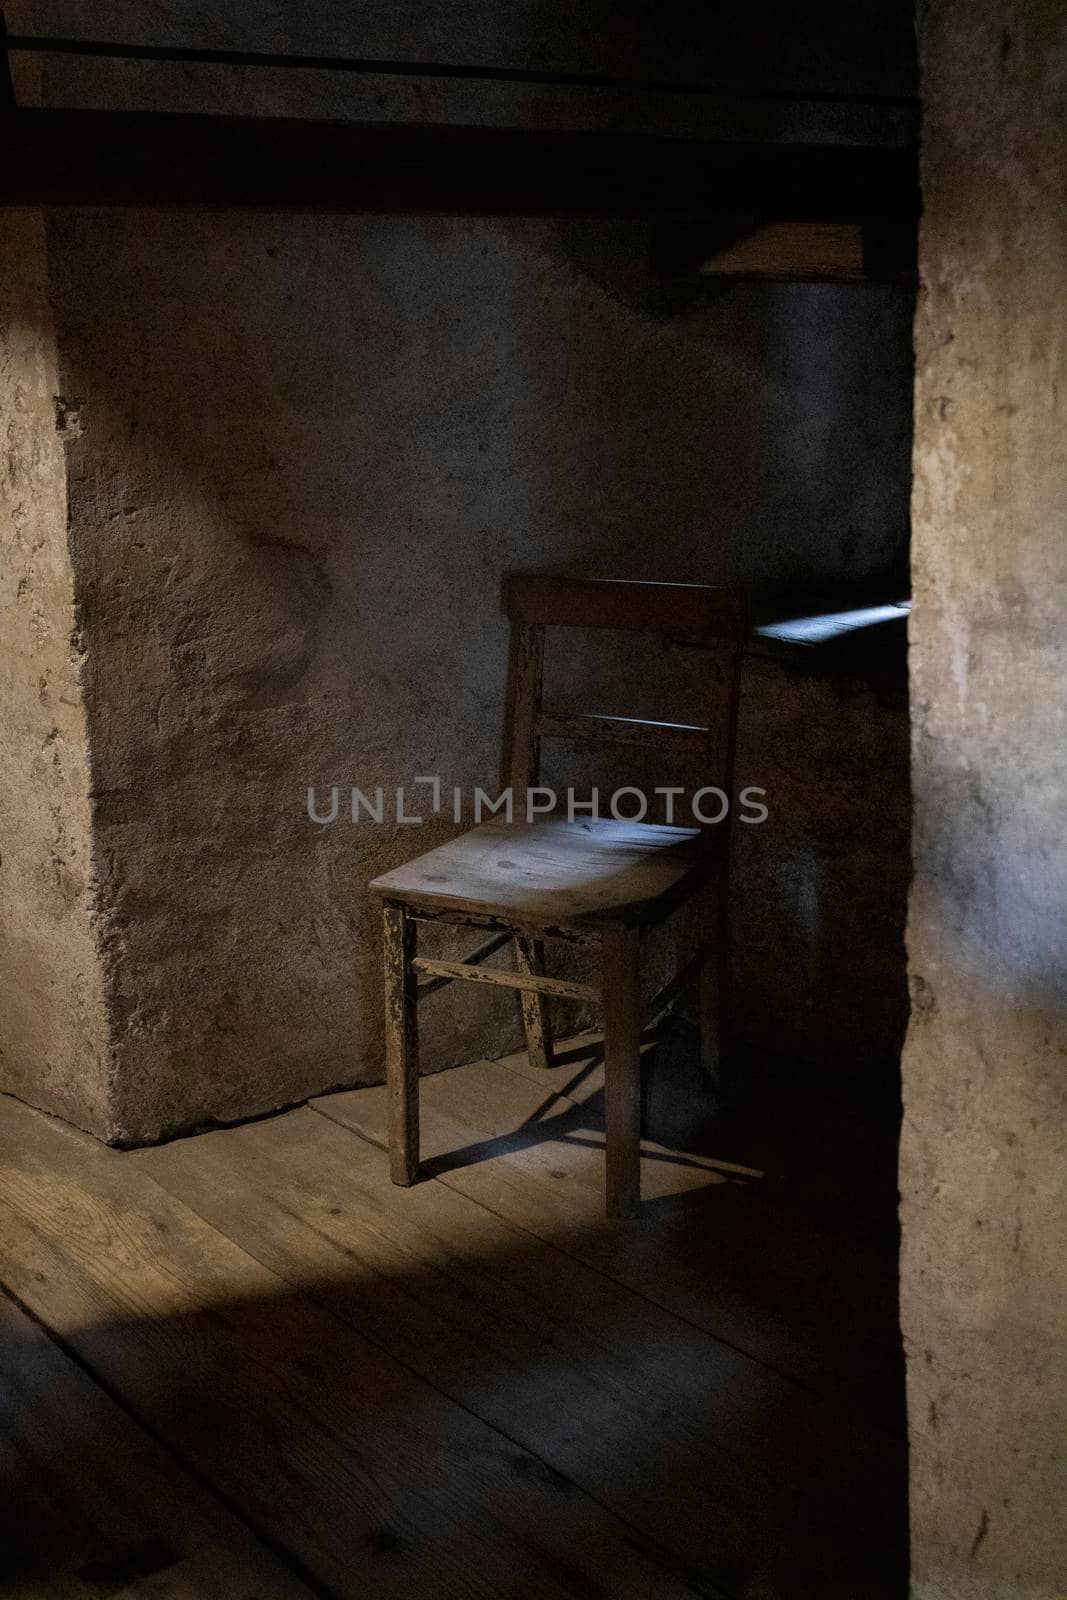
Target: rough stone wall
(310, 446)
(53, 1033)
(310, 449)
(985, 1072)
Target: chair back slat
(616, 603)
(716, 618)
(621, 730)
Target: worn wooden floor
(245, 1366)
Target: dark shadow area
(797, 1237)
(420, 1399)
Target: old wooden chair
(600, 883)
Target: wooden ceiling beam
(52, 157)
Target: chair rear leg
(622, 1070)
(401, 1044)
(713, 996)
(530, 957)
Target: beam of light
(832, 624)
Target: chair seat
(558, 874)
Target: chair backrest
(716, 618)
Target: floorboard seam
(664, 1557)
(283, 1556)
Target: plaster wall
(309, 448)
(984, 1208)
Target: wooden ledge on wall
(865, 250)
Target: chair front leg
(401, 1044)
(622, 1070)
(530, 958)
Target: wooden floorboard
(376, 1483)
(91, 1506)
(475, 1386)
(718, 1241)
(746, 1478)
